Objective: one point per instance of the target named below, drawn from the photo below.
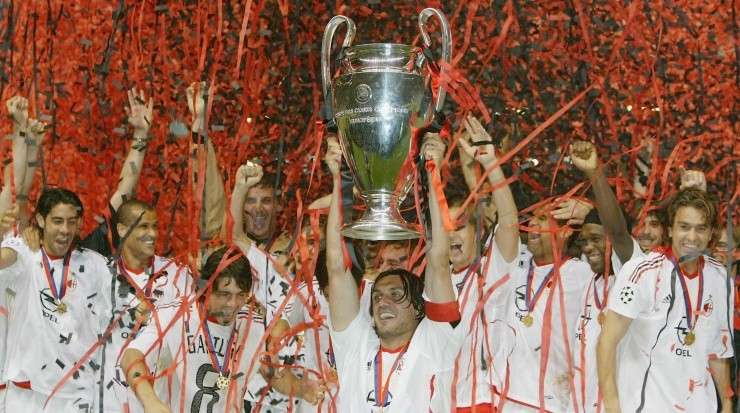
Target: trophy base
(381, 220)
(374, 231)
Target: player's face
(392, 257)
(393, 314)
(462, 243)
(721, 247)
(539, 239)
(593, 244)
(690, 233)
(651, 234)
(226, 300)
(142, 238)
(260, 210)
(60, 227)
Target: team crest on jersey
(72, 284)
(708, 306)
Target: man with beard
(204, 352)
(261, 207)
(143, 281)
(670, 312)
(270, 287)
(402, 361)
(58, 312)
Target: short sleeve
(635, 283)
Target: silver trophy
(379, 98)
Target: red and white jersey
(421, 381)
(588, 328)
(524, 350)
(475, 284)
(45, 339)
(162, 282)
(311, 310)
(180, 357)
(270, 288)
(654, 352)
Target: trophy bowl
(379, 98)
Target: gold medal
(602, 318)
(690, 338)
(528, 320)
(222, 382)
(61, 307)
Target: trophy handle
(326, 44)
(446, 44)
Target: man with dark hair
(403, 359)
(271, 284)
(203, 351)
(604, 237)
(143, 281)
(670, 311)
(58, 312)
(651, 231)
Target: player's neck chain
(57, 293)
(222, 382)
(691, 316)
(531, 301)
(141, 293)
(381, 390)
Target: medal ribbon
(471, 268)
(530, 301)
(211, 348)
(691, 317)
(381, 393)
(58, 294)
(599, 304)
(147, 287)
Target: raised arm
(692, 179)
(344, 302)
(18, 112)
(215, 196)
(437, 280)
(479, 145)
(247, 176)
(36, 132)
(140, 114)
(585, 158)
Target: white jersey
(553, 319)
(46, 337)
(186, 377)
(656, 359)
(311, 310)
(421, 382)
(162, 282)
(473, 285)
(593, 305)
(270, 288)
